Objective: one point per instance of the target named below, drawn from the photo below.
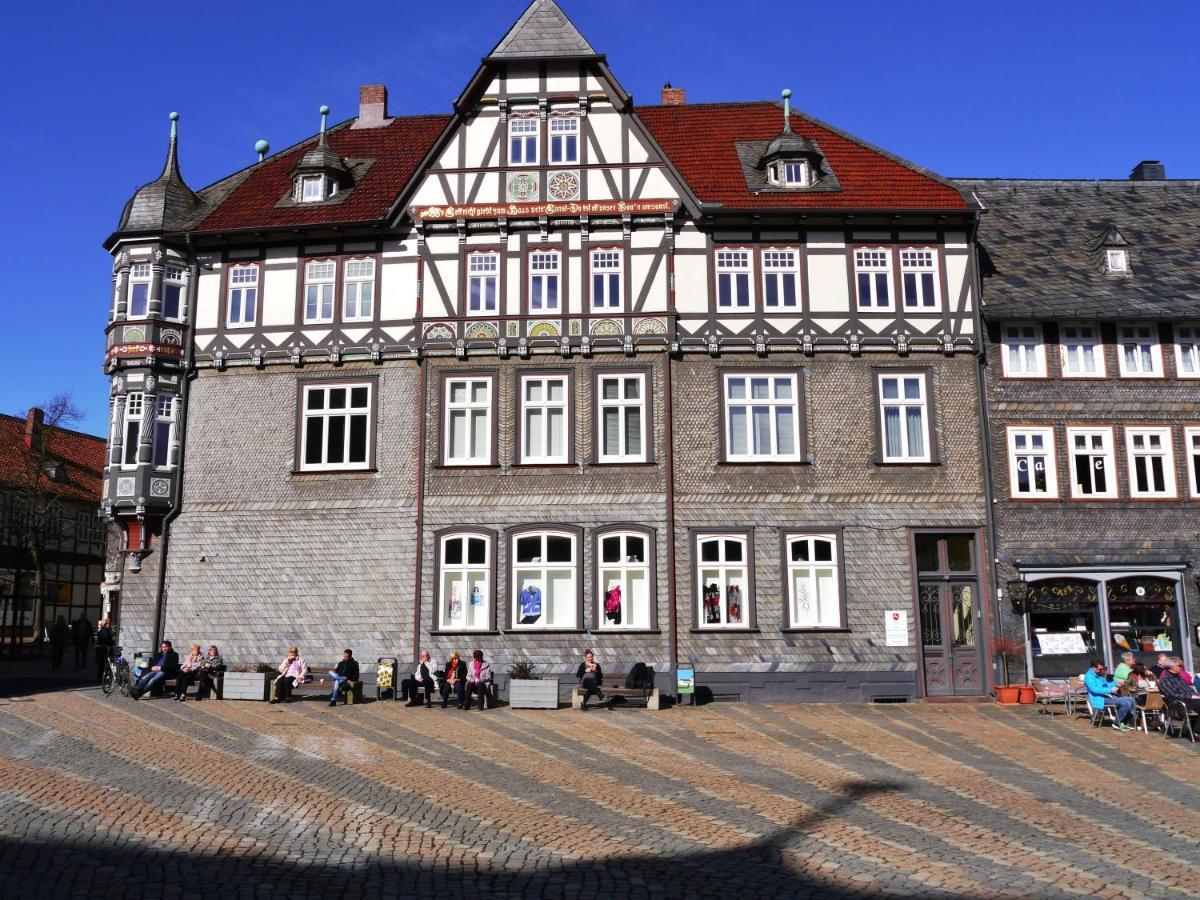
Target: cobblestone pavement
(111, 797)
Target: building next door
(949, 613)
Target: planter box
(246, 685)
(533, 693)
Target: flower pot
(533, 693)
(1008, 693)
(246, 686)
(1025, 694)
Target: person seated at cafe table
(1124, 667)
(1102, 692)
(1173, 687)
(1160, 665)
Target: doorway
(949, 613)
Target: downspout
(672, 622)
(418, 556)
(188, 373)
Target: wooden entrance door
(949, 614)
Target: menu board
(1064, 644)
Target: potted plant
(249, 682)
(528, 691)
(1008, 649)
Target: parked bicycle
(116, 674)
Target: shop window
(723, 581)
(1151, 462)
(1140, 351)
(625, 594)
(336, 426)
(545, 579)
(814, 586)
(1031, 469)
(1024, 354)
(467, 435)
(1081, 350)
(545, 419)
(1143, 616)
(1093, 465)
(464, 582)
(1063, 620)
(762, 417)
(621, 420)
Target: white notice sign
(1061, 644)
(895, 627)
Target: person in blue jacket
(1102, 692)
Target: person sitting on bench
(346, 671)
(164, 666)
(291, 673)
(189, 671)
(422, 678)
(454, 680)
(479, 677)
(211, 669)
(591, 678)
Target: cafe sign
(528, 210)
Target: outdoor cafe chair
(1154, 708)
(1178, 718)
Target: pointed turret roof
(167, 203)
(323, 159)
(542, 32)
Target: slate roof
(83, 455)
(1042, 245)
(165, 204)
(702, 141)
(542, 32)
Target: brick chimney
(1149, 170)
(372, 107)
(33, 427)
(673, 96)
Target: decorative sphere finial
(324, 110)
(174, 117)
(262, 148)
(785, 93)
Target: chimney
(372, 107)
(33, 427)
(1149, 170)
(673, 96)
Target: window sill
(532, 630)
(536, 465)
(725, 630)
(462, 632)
(817, 629)
(337, 473)
(900, 464)
(465, 467)
(603, 464)
(619, 631)
(744, 463)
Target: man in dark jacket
(1173, 687)
(423, 678)
(81, 638)
(165, 665)
(346, 671)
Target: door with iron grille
(949, 614)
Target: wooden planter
(533, 693)
(247, 685)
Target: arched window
(625, 594)
(545, 578)
(724, 591)
(465, 566)
(813, 581)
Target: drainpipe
(420, 509)
(669, 416)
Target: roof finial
(324, 115)
(786, 93)
(174, 117)
(262, 148)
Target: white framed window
(1023, 352)
(814, 586)
(523, 141)
(564, 140)
(465, 582)
(1140, 351)
(172, 303)
(336, 427)
(621, 419)
(919, 278)
(723, 581)
(607, 278)
(164, 431)
(319, 277)
(1191, 440)
(762, 417)
(873, 273)
(624, 596)
(795, 174)
(1116, 260)
(1093, 463)
(733, 279)
(483, 280)
(140, 275)
(545, 579)
(311, 188)
(1151, 460)
(1187, 351)
(1031, 469)
(904, 417)
(544, 271)
(1082, 350)
(781, 278)
(358, 294)
(467, 439)
(243, 296)
(545, 407)
(134, 407)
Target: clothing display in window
(456, 604)
(734, 605)
(476, 596)
(612, 604)
(712, 604)
(531, 604)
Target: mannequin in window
(612, 605)
(712, 604)
(531, 604)
(734, 604)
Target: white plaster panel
(605, 237)
(691, 238)
(397, 289)
(826, 240)
(923, 325)
(574, 286)
(489, 186)
(592, 83)
(658, 186)
(956, 276)
(208, 299)
(656, 297)
(966, 326)
(646, 237)
(448, 158)
(638, 151)
(511, 299)
(691, 284)
(828, 290)
(433, 303)
(279, 297)
(522, 79)
(562, 82)
(574, 241)
(479, 133)
(606, 127)
(430, 193)
(597, 185)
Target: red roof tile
(700, 140)
(397, 149)
(82, 453)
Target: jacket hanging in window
(612, 604)
(712, 604)
(531, 604)
(734, 605)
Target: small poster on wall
(895, 627)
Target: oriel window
(139, 290)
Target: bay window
(762, 417)
(543, 280)
(545, 579)
(336, 428)
(607, 278)
(358, 296)
(1093, 464)
(564, 140)
(1140, 352)
(624, 589)
(733, 279)
(139, 290)
(243, 296)
(1187, 351)
(465, 565)
(781, 277)
(134, 403)
(873, 274)
(544, 419)
(1151, 461)
(172, 292)
(164, 431)
(1023, 354)
(904, 417)
(318, 291)
(1082, 351)
(621, 419)
(467, 427)
(1031, 469)
(483, 278)
(919, 277)
(813, 581)
(723, 587)
(523, 141)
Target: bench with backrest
(317, 685)
(613, 686)
(491, 694)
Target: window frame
(492, 377)
(348, 280)
(470, 253)
(598, 405)
(931, 455)
(181, 283)
(306, 282)
(786, 537)
(303, 386)
(1047, 433)
(795, 270)
(231, 286)
(127, 417)
(1170, 476)
(1156, 355)
(797, 374)
(1110, 455)
(1192, 339)
(568, 405)
(135, 280)
(1116, 260)
(1191, 452)
(557, 272)
(1039, 350)
(935, 271)
(171, 420)
(802, 166)
(749, 605)
(621, 272)
(624, 529)
(889, 271)
(1098, 352)
(512, 535)
(551, 135)
(490, 538)
(524, 137)
(719, 270)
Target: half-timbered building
(681, 383)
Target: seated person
(1161, 665)
(189, 671)
(1124, 667)
(1173, 687)
(423, 678)
(163, 666)
(479, 676)
(291, 673)
(210, 670)
(346, 670)
(591, 678)
(454, 680)
(1101, 690)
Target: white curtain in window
(916, 432)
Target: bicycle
(116, 674)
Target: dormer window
(1116, 261)
(314, 188)
(789, 174)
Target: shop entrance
(948, 614)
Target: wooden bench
(492, 697)
(351, 693)
(614, 686)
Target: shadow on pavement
(33, 675)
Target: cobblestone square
(110, 797)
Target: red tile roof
(700, 140)
(397, 149)
(82, 453)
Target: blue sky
(1019, 89)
